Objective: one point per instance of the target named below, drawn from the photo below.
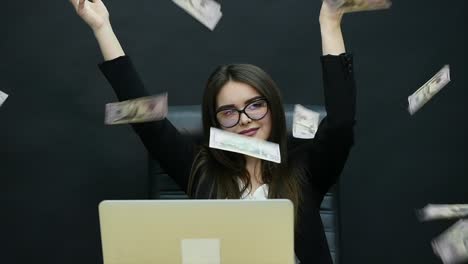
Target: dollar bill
(207, 12)
(224, 140)
(428, 90)
(349, 6)
(3, 97)
(442, 211)
(452, 245)
(305, 122)
(145, 109)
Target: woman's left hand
(330, 29)
(330, 18)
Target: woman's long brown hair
(222, 169)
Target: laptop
(197, 231)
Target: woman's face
(237, 95)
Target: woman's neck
(253, 166)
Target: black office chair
(187, 119)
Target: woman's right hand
(94, 13)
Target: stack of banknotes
(3, 97)
(452, 245)
(207, 12)
(359, 5)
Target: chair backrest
(187, 119)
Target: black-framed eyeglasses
(255, 110)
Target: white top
(261, 193)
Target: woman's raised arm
(330, 29)
(95, 14)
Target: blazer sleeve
(326, 154)
(163, 141)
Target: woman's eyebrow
(230, 106)
(253, 99)
(224, 107)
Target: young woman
(243, 99)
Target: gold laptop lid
(197, 231)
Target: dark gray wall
(58, 160)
